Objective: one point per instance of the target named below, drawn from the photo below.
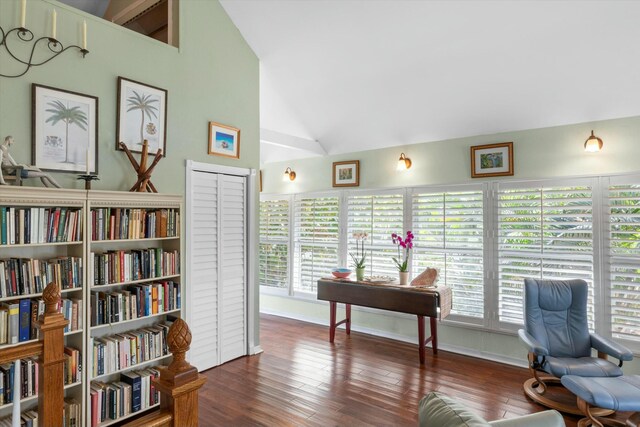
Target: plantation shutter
(274, 243)
(379, 215)
(448, 229)
(316, 238)
(543, 233)
(624, 256)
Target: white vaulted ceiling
(363, 74)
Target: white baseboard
(385, 334)
(256, 349)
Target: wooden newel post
(179, 382)
(50, 374)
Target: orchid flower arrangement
(404, 246)
(358, 259)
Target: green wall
(213, 76)
(538, 153)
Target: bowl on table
(341, 273)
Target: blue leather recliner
(558, 338)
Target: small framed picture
(142, 114)
(346, 174)
(224, 140)
(492, 160)
(65, 130)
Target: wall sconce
(22, 33)
(593, 144)
(404, 163)
(289, 175)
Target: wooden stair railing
(50, 348)
(178, 385)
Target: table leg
(434, 334)
(421, 338)
(347, 308)
(332, 320)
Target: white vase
(404, 278)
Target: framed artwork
(64, 130)
(346, 174)
(142, 114)
(224, 140)
(492, 160)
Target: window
(448, 229)
(543, 233)
(274, 243)
(379, 215)
(484, 238)
(624, 253)
(315, 239)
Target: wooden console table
(419, 301)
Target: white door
(217, 268)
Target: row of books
(39, 225)
(25, 276)
(133, 393)
(134, 302)
(127, 266)
(28, 379)
(27, 419)
(125, 223)
(72, 365)
(121, 351)
(18, 318)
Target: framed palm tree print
(142, 114)
(65, 130)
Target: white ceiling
(356, 74)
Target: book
(13, 322)
(133, 380)
(24, 320)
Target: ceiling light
(404, 163)
(289, 175)
(593, 144)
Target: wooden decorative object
(50, 374)
(143, 184)
(179, 382)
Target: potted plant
(402, 262)
(359, 258)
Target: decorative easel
(143, 184)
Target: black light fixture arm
(26, 35)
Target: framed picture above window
(224, 140)
(346, 174)
(142, 114)
(492, 160)
(65, 130)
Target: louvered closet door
(218, 278)
(203, 264)
(233, 269)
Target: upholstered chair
(557, 336)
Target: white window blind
(316, 236)
(624, 257)
(448, 229)
(379, 215)
(544, 233)
(274, 243)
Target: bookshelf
(147, 231)
(42, 240)
(133, 248)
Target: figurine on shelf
(10, 167)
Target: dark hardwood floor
(302, 380)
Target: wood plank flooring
(362, 380)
